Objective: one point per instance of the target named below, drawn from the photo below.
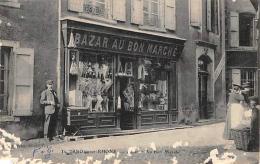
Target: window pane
(146, 18)
(2, 89)
(94, 82)
(154, 8)
(2, 61)
(1, 103)
(154, 20)
(100, 8)
(2, 75)
(146, 5)
(153, 85)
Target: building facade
(128, 64)
(241, 49)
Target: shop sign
(93, 40)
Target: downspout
(258, 53)
(58, 66)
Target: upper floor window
(154, 14)
(246, 29)
(212, 15)
(241, 29)
(195, 13)
(95, 7)
(151, 12)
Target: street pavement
(187, 146)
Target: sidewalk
(60, 139)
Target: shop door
(203, 80)
(127, 117)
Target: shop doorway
(127, 119)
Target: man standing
(50, 102)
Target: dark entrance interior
(203, 76)
(203, 80)
(127, 118)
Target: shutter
(209, 15)
(195, 12)
(137, 12)
(170, 18)
(119, 10)
(255, 31)
(234, 29)
(161, 13)
(75, 5)
(23, 81)
(236, 76)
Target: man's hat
(49, 82)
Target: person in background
(254, 126)
(50, 102)
(245, 93)
(235, 111)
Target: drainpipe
(258, 53)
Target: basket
(241, 138)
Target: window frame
(5, 81)
(251, 40)
(246, 75)
(150, 13)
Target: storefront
(117, 79)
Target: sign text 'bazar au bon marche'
(86, 39)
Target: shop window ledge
(6, 118)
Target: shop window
(151, 13)
(153, 85)
(4, 76)
(249, 76)
(91, 82)
(246, 29)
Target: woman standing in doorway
(235, 111)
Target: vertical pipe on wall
(258, 54)
(58, 66)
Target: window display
(92, 76)
(153, 85)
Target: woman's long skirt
(235, 113)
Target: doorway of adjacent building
(203, 80)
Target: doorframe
(210, 52)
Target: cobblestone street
(189, 145)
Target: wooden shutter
(75, 5)
(234, 29)
(236, 76)
(209, 15)
(137, 12)
(255, 31)
(119, 10)
(23, 81)
(170, 18)
(195, 12)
